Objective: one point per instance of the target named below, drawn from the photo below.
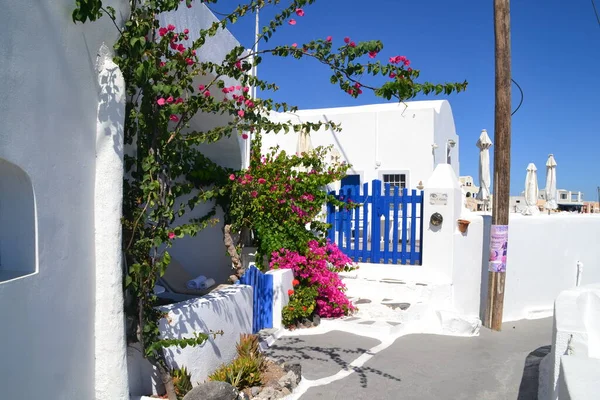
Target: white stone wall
(49, 110)
(381, 138)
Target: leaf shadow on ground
(295, 350)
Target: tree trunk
(232, 251)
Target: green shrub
(182, 382)
(246, 369)
(302, 305)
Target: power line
(522, 97)
(596, 12)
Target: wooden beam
(502, 133)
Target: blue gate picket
(358, 232)
(262, 302)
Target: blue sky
(556, 60)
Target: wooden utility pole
(502, 130)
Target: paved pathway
(492, 366)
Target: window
(17, 223)
(563, 196)
(397, 180)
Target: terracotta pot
(463, 225)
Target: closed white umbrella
(334, 158)
(551, 203)
(531, 191)
(484, 143)
(304, 145)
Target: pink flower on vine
(294, 45)
(392, 75)
(246, 89)
(346, 40)
(241, 113)
(181, 48)
(352, 44)
(171, 27)
(232, 177)
(329, 39)
(299, 12)
(189, 61)
(179, 100)
(170, 99)
(186, 31)
(174, 118)
(261, 180)
(201, 87)
(173, 46)
(207, 93)
(171, 235)
(372, 54)
(238, 64)
(409, 69)
(254, 193)
(162, 64)
(162, 31)
(244, 136)
(225, 90)
(160, 102)
(193, 52)
(292, 22)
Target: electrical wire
(596, 12)
(522, 97)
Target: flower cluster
(319, 268)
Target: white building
(61, 174)
(400, 143)
(468, 186)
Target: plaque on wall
(438, 199)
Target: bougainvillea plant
(318, 267)
(167, 85)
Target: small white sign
(438, 199)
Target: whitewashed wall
(205, 254)
(380, 138)
(49, 110)
(543, 252)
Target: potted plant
(463, 225)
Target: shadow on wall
(485, 254)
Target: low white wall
(229, 310)
(576, 332)
(282, 282)
(579, 378)
(543, 256)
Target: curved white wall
(49, 109)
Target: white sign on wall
(438, 199)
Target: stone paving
(493, 366)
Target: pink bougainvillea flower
(189, 5)
(246, 89)
(407, 62)
(238, 64)
(254, 193)
(206, 93)
(238, 87)
(244, 136)
(295, 282)
(346, 40)
(160, 102)
(329, 39)
(189, 61)
(290, 292)
(186, 37)
(240, 113)
(181, 48)
(294, 45)
(357, 85)
(173, 46)
(162, 64)
(174, 118)
(186, 31)
(194, 52)
(171, 235)
(232, 177)
(201, 87)
(170, 99)
(292, 21)
(179, 100)
(392, 75)
(171, 27)
(409, 69)
(372, 54)
(261, 180)
(396, 59)
(352, 44)
(162, 31)
(225, 90)
(299, 12)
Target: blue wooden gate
(386, 229)
(262, 302)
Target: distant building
(590, 207)
(468, 186)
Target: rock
(288, 380)
(268, 393)
(212, 390)
(296, 369)
(254, 391)
(316, 320)
(362, 301)
(285, 391)
(307, 323)
(242, 396)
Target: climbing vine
(167, 86)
